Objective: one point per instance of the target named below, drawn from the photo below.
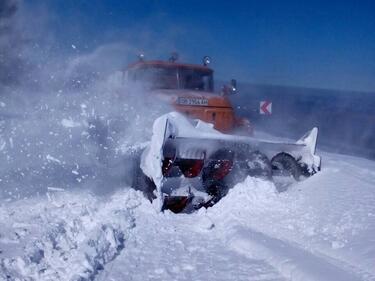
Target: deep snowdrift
(320, 229)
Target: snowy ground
(320, 229)
(67, 212)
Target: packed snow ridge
(63, 237)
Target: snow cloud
(68, 104)
(11, 43)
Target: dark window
(159, 77)
(195, 79)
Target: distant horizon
(344, 91)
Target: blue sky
(325, 44)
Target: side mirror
(230, 89)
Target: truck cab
(189, 88)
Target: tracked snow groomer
(197, 153)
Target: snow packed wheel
(219, 165)
(253, 164)
(283, 164)
(217, 189)
(258, 165)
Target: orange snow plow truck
(200, 151)
(189, 88)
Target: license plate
(192, 101)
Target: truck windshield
(159, 77)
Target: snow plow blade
(204, 144)
(181, 148)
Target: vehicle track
(291, 260)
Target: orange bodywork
(218, 111)
(197, 104)
(222, 118)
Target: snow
(320, 229)
(52, 159)
(67, 212)
(69, 123)
(68, 237)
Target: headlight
(206, 60)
